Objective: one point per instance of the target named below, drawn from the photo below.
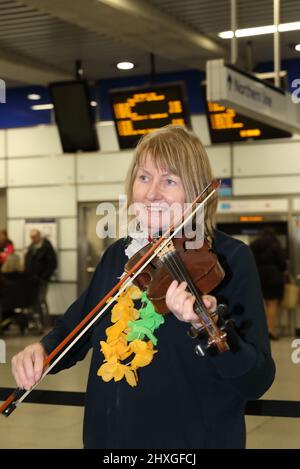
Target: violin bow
(18, 395)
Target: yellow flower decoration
(117, 348)
(143, 353)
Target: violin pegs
(199, 351)
(222, 310)
(229, 325)
(193, 333)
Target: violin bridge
(167, 249)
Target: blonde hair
(12, 264)
(175, 149)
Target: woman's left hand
(181, 303)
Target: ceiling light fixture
(42, 107)
(260, 30)
(297, 47)
(125, 65)
(289, 26)
(226, 35)
(33, 96)
(255, 31)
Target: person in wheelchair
(18, 294)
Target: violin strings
(176, 266)
(183, 275)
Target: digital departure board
(226, 125)
(138, 111)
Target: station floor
(52, 426)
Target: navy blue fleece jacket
(181, 400)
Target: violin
(202, 272)
(217, 337)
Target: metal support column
(234, 45)
(276, 13)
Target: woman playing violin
(166, 396)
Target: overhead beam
(20, 68)
(138, 23)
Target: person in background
(18, 290)
(6, 246)
(41, 261)
(271, 264)
(11, 264)
(10, 268)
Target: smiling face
(159, 196)
(179, 170)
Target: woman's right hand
(27, 365)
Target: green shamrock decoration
(150, 320)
